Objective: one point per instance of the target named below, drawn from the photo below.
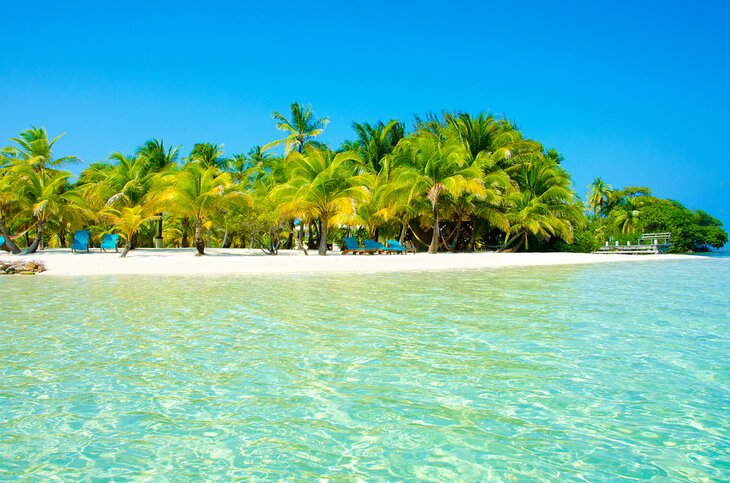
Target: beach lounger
(376, 247)
(398, 248)
(352, 246)
(81, 241)
(109, 242)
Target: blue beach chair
(398, 248)
(109, 242)
(376, 247)
(350, 245)
(81, 241)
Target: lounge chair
(376, 247)
(398, 248)
(81, 241)
(109, 242)
(350, 245)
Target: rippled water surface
(570, 373)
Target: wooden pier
(649, 244)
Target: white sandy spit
(182, 261)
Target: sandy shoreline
(230, 261)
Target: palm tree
(208, 154)
(35, 149)
(46, 194)
(626, 218)
(374, 143)
(302, 127)
(128, 221)
(544, 206)
(195, 192)
(7, 200)
(430, 167)
(598, 195)
(320, 184)
(248, 167)
(157, 159)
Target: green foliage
(462, 181)
(691, 230)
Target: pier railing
(648, 244)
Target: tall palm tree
(302, 127)
(34, 148)
(157, 159)
(320, 184)
(195, 192)
(597, 199)
(128, 221)
(430, 166)
(598, 195)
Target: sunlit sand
(230, 261)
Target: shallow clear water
(582, 372)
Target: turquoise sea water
(564, 373)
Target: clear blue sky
(634, 92)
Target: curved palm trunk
(323, 239)
(127, 247)
(434, 246)
(38, 237)
(199, 243)
(8, 242)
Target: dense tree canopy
(455, 182)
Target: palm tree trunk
(184, 242)
(323, 238)
(300, 239)
(434, 246)
(312, 240)
(402, 235)
(38, 237)
(8, 242)
(127, 247)
(199, 244)
(159, 232)
(290, 240)
(226, 242)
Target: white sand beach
(182, 261)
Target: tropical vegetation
(453, 182)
